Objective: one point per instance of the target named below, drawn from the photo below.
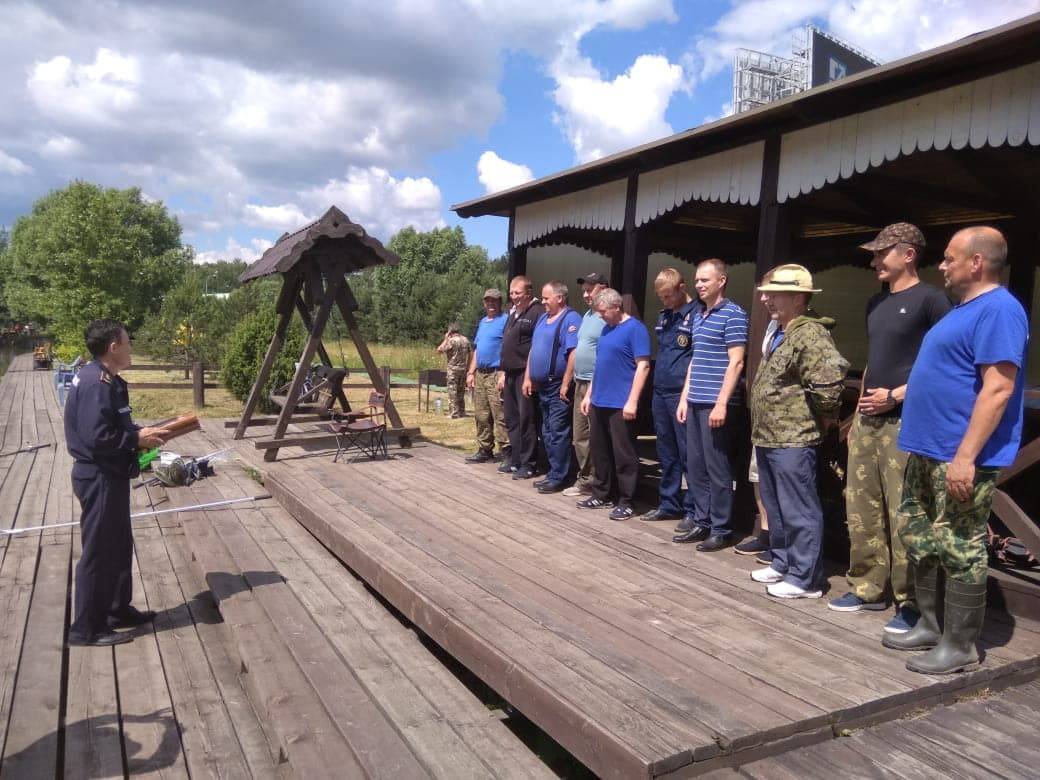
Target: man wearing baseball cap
(897, 319)
(482, 379)
(796, 392)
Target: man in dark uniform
(520, 412)
(103, 442)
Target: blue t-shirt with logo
(945, 380)
(488, 340)
(539, 359)
(616, 353)
(585, 353)
(713, 332)
(673, 348)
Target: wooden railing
(196, 372)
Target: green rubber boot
(956, 651)
(925, 634)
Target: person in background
(795, 397)
(709, 406)
(674, 348)
(962, 423)
(897, 320)
(612, 404)
(482, 378)
(456, 348)
(580, 365)
(555, 337)
(520, 412)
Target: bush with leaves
(245, 350)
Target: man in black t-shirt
(517, 408)
(897, 320)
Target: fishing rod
(29, 448)
(146, 513)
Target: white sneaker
(574, 490)
(785, 590)
(768, 574)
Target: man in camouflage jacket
(456, 349)
(796, 393)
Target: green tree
(189, 325)
(222, 276)
(88, 252)
(246, 347)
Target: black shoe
(539, 482)
(765, 558)
(593, 503)
(506, 468)
(498, 457)
(752, 546)
(714, 543)
(696, 534)
(657, 514)
(131, 617)
(549, 487)
(524, 472)
(107, 639)
(622, 513)
(686, 524)
(480, 456)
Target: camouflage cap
(493, 292)
(899, 233)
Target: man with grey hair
(962, 423)
(555, 337)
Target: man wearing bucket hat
(897, 320)
(796, 391)
(482, 379)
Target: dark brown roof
(991, 51)
(332, 233)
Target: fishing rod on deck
(27, 448)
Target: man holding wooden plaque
(104, 443)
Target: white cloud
(12, 165)
(235, 251)
(497, 174)
(286, 217)
(95, 93)
(379, 202)
(61, 146)
(600, 117)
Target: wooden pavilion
(314, 263)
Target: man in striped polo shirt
(709, 406)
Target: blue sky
(249, 118)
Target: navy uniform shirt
(674, 347)
(98, 430)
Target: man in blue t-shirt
(962, 423)
(674, 347)
(555, 336)
(482, 379)
(709, 405)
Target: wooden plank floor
(641, 657)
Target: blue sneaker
(850, 602)
(905, 619)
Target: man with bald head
(962, 423)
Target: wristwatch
(891, 399)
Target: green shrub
(244, 353)
(67, 353)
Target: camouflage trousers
(939, 529)
(456, 391)
(873, 492)
(487, 407)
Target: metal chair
(363, 430)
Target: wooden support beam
(343, 300)
(517, 255)
(1023, 244)
(334, 281)
(284, 307)
(635, 258)
(308, 323)
(304, 439)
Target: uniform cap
(593, 278)
(790, 278)
(493, 292)
(899, 233)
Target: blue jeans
(709, 473)
(787, 483)
(671, 452)
(556, 431)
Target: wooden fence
(196, 372)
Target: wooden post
(333, 284)
(343, 300)
(305, 315)
(1023, 241)
(386, 379)
(517, 255)
(774, 243)
(198, 384)
(635, 258)
(284, 307)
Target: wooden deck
(641, 657)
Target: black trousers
(614, 458)
(521, 421)
(103, 574)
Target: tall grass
(406, 359)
